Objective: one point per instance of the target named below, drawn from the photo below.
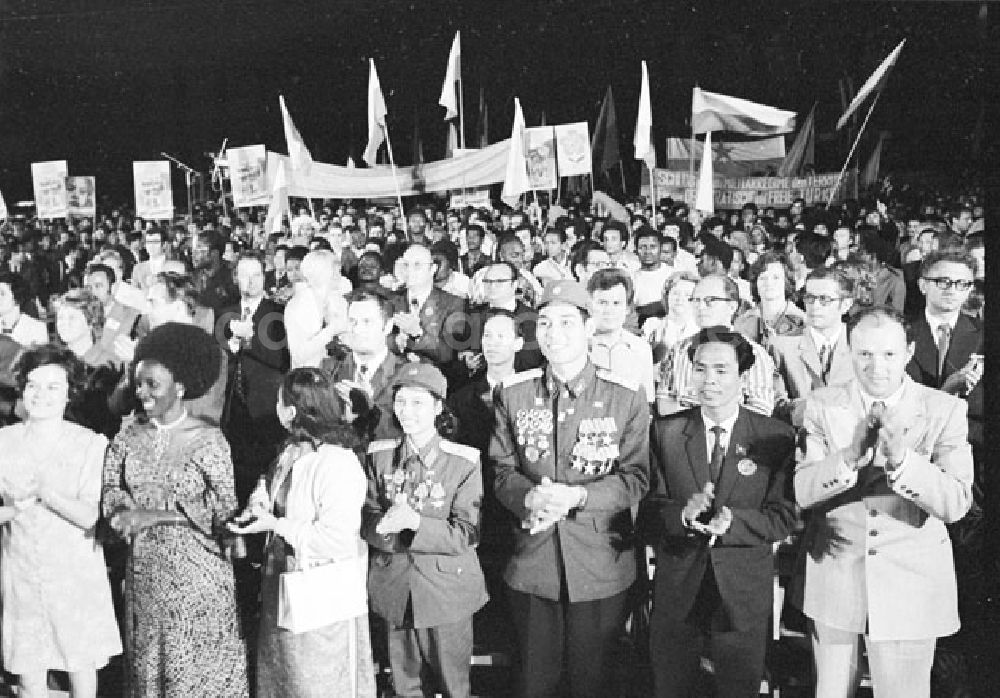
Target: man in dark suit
(368, 362)
(255, 335)
(722, 497)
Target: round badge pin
(746, 467)
(531, 453)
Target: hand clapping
(400, 517)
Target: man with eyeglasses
(716, 300)
(819, 356)
(421, 310)
(587, 258)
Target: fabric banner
(540, 151)
(573, 149)
(49, 181)
(81, 195)
(479, 168)
(246, 174)
(733, 192)
(730, 158)
(154, 199)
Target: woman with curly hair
(168, 489)
(57, 608)
(311, 511)
(773, 287)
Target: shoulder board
(467, 452)
(616, 379)
(522, 377)
(382, 445)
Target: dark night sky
(104, 82)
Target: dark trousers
(425, 661)
(583, 638)
(676, 647)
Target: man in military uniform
(571, 455)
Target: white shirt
(935, 321)
(727, 431)
(458, 284)
(370, 365)
(821, 340)
(685, 261)
(649, 283)
(250, 305)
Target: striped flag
(711, 111)
(376, 116)
(874, 82)
(298, 154)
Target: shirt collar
(890, 401)
(576, 386)
(252, 304)
(727, 424)
(422, 299)
(373, 363)
(819, 339)
(935, 321)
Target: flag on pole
(3, 208)
(279, 200)
(452, 76)
(711, 111)
(803, 150)
(515, 180)
(874, 82)
(704, 198)
(350, 162)
(643, 141)
(869, 176)
(451, 144)
(298, 154)
(484, 122)
(604, 150)
(376, 116)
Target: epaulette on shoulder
(616, 379)
(382, 445)
(522, 377)
(467, 452)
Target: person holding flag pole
(643, 140)
(378, 131)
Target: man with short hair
(447, 276)
(213, 277)
(886, 465)
(588, 257)
(612, 347)
(570, 447)
(555, 266)
(155, 244)
(421, 311)
(119, 319)
(614, 237)
(473, 260)
(719, 499)
(416, 226)
(652, 273)
(716, 256)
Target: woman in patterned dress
(168, 488)
(57, 609)
(313, 511)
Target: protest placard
(573, 149)
(733, 192)
(154, 199)
(81, 195)
(49, 181)
(541, 156)
(247, 176)
(479, 198)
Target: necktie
(718, 453)
(825, 354)
(364, 378)
(943, 342)
(874, 424)
(239, 378)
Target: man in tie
(720, 497)
(820, 355)
(887, 464)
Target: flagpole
(857, 139)
(621, 170)
(461, 113)
(392, 162)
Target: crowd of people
(267, 462)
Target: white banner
(730, 158)
(540, 152)
(81, 195)
(733, 192)
(477, 199)
(247, 176)
(154, 199)
(49, 180)
(573, 149)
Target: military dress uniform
(568, 583)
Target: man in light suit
(722, 497)
(887, 464)
(819, 356)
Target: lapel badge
(429, 311)
(746, 467)
(531, 453)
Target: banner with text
(81, 193)
(573, 149)
(154, 199)
(478, 198)
(733, 192)
(247, 176)
(49, 181)
(541, 155)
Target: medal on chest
(534, 431)
(596, 449)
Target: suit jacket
(878, 550)
(966, 339)
(344, 369)
(263, 361)
(435, 567)
(435, 345)
(754, 483)
(797, 361)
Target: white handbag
(319, 595)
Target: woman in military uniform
(421, 518)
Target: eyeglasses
(946, 284)
(710, 301)
(824, 301)
(497, 281)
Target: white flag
(452, 76)
(704, 198)
(515, 180)
(376, 116)
(279, 200)
(3, 208)
(711, 111)
(874, 82)
(643, 141)
(298, 154)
